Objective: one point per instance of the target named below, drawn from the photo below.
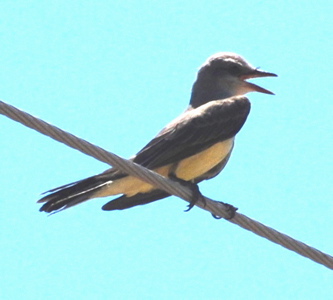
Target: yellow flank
(199, 164)
(188, 169)
(130, 185)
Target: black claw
(190, 206)
(216, 217)
(230, 210)
(196, 194)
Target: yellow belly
(187, 169)
(199, 164)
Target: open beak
(254, 74)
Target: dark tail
(71, 194)
(77, 192)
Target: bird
(193, 147)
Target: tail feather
(74, 193)
(71, 194)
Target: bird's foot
(196, 194)
(230, 210)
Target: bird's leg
(196, 194)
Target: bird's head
(224, 75)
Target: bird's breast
(200, 163)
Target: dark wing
(125, 202)
(195, 131)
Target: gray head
(224, 75)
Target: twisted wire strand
(172, 187)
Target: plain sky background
(114, 73)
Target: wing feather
(195, 131)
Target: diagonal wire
(172, 187)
